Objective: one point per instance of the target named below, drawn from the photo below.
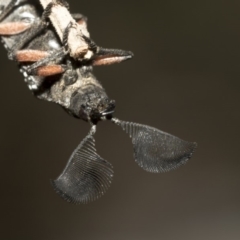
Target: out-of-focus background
(183, 79)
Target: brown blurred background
(184, 79)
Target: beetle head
(100, 109)
(91, 104)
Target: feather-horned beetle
(56, 74)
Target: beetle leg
(8, 9)
(91, 44)
(24, 39)
(49, 70)
(44, 63)
(66, 35)
(105, 56)
(13, 28)
(51, 58)
(30, 55)
(34, 30)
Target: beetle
(54, 75)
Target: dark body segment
(53, 75)
(76, 79)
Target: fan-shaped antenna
(154, 150)
(87, 176)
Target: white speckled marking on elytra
(25, 74)
(53, 44)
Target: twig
(61, 18)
